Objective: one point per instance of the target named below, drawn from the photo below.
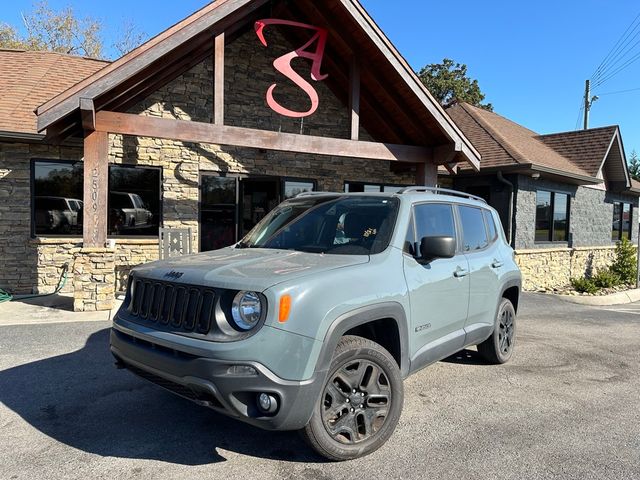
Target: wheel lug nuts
(354, 390)
(353, 410)
(348, 400)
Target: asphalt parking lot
(567, 406)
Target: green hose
(7, 297)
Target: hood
(244, 269)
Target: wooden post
(354, 99)
(96, 178)
(218, 82)
(427, 174)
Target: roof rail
(311, 194)
(441, 191)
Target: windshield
(335, 225)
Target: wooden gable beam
(197, 132)
(218, 82)
(88, 115)
(354, 98)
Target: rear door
(480, 246)
(438, 291)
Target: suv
(314, 319)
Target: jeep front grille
(180, 308)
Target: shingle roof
(503, 143)
(585, 148)
(29, 79)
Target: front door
(438, 290)
(258, 196)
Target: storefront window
(134, 201)
(622, 221)
(357, 187)
(294, 187)
(57, 197)
(552, 217)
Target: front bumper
(219, 384)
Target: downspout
(501, 179)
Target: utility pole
(587, 103)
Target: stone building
(207, 127)
(213, 122)
(565, 199)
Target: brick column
(94, 279)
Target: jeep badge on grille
(173, 275)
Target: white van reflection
(58, 215)
(128, 212)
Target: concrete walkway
(48, 310)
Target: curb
(618, 298)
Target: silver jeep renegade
(314, 319)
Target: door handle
(460, 273)
(496, 264)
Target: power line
(614, 50)
(619, 91)
(633, 59)
(623, 54)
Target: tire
(498, 348)
(347, 424)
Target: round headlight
(246, 310)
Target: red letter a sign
(283, 65)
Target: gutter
(511, 207)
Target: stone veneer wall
(94, 279)
(590, 219)
(27, 265)
(553, 268)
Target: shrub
(584, 285)
(625, 264)
(606, 279)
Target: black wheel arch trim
(362, 316)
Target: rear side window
(434, 220)
(491, 226)
(474, 233)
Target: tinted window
(622, 221)
(493, 232)
(552, 216)
(409, 243)
(57, 189)
(434, 220)
(474, 233)
(543, 215)
(134, 201)
(293, 188)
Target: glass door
(218, 212)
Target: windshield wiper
(242, 244)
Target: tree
(449, 83)
(634, 165)
(64, 32)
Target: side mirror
(432, 248)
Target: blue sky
(530, 57)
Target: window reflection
(57, 203)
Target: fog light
(267, 403)
(242, 371)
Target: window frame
(32, 195)
(551, 220)
(620, 230)
(160, 199)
